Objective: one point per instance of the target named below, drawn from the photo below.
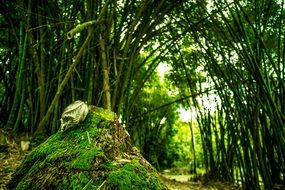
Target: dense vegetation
(224, 60)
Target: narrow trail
(180, 182)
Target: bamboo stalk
(105, 70)
(79, 28)
(21, 66)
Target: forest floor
(12, 155)
(181, 182)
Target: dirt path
(180, 182)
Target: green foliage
(180, 149)
(180, 145)
(149, 124)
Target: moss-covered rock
(95, 154)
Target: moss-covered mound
(95, 154)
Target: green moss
(24, 184)
(133, 176)
(84, 159)
(79, 181)
(108, 165)
(105, 114)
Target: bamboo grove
(105, 52)
(96, 65)
(242, 45)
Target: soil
(181, 182)
(11, 156)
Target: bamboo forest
(142, 94)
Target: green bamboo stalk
(56, 106)
(105, 70)
(20, 70)
(21, 109)
(90, 84)
(79, 28)
(41, 62)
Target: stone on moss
(96, 153)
